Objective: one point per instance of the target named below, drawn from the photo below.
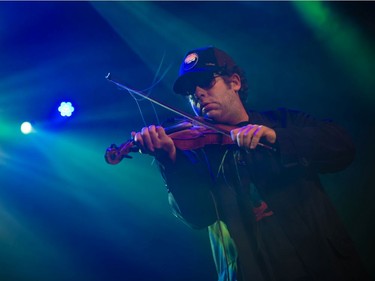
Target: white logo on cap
(190, 61)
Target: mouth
(208, 107)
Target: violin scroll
(115, 154)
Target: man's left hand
(249, 136)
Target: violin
(185, 135)
(193, 134)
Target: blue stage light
(66, 109)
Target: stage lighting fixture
(26, 128)
(66, 109)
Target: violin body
(185, 136)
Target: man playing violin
(260, 196)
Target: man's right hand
(154, 141)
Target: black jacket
(303, 237)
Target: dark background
(65, 214)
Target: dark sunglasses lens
(203, 81)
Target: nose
(200, 92)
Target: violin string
(147, 91)
(140, 111)
(157, 82)
(154, 83)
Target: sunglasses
(203, 80)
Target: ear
(235, 81)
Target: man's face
(219, 99)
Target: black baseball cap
(200, 62)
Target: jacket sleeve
(319, 144)
(188, 183)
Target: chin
(209, 115)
